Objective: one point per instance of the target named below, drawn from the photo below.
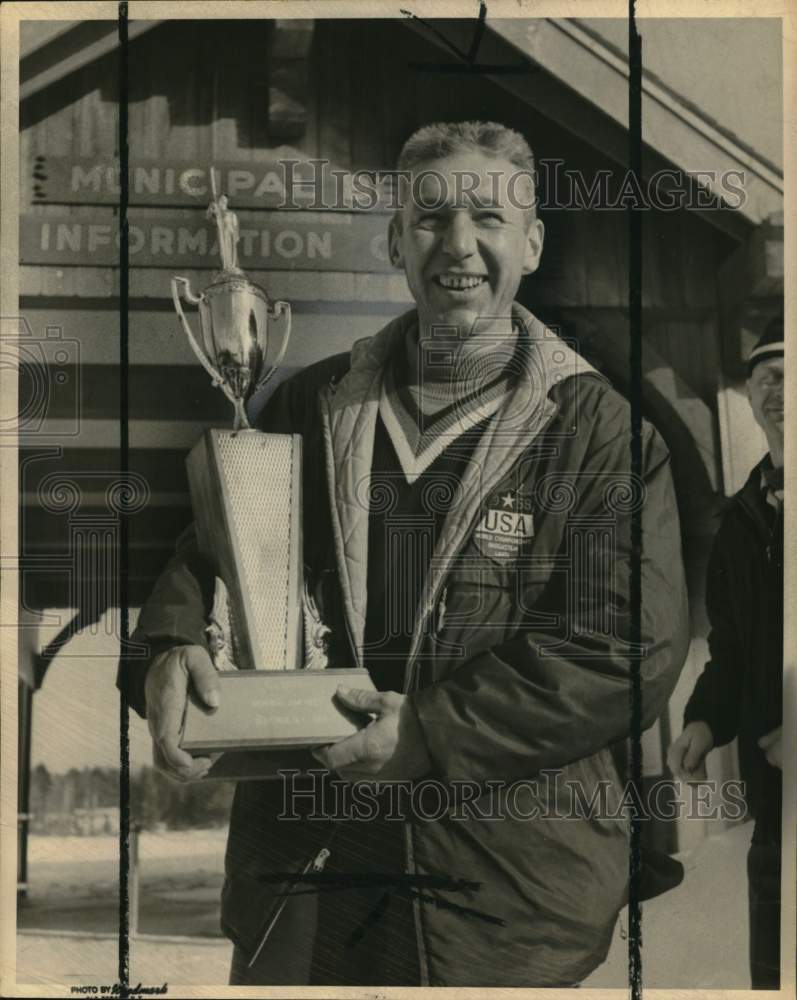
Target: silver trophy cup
(234, 316)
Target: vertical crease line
(635, 364)
(124, 463)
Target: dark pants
(353, 934)
(763, 874)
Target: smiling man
(467, 523)
(740, 692)
(466, 235)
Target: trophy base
(273, 710)
(259, 765)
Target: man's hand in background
(169, 677)
(772, 745)
(686, 757)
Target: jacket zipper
(409, 677)
(409, 673)
(315, 864)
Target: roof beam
(71, 49)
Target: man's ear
(535, 236)
(394, 250)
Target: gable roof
(575, 74)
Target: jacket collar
(549, 359)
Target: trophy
(264, 632)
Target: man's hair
(433, 142)
(441, 139)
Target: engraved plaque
(261, 709)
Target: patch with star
(506, 525)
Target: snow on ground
(60, 865)
(694, 936)
(155, 844)
(74, 879)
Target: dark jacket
(740, 692)
(530, 670)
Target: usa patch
(507, 525)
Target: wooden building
(243, 94)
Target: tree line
(57, 800)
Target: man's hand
(772, 745)
(390, 748)
(686, 757)
(166, 688)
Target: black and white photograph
(395, 545)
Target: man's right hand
(168, 679)
(686, 757)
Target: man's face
(765, 391)
(464, 239)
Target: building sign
(275, 183)
(311, 241)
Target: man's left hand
(772, 745)
(390, 748)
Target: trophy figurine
(264, 633)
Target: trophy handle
(195, 300)
(280, 309)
